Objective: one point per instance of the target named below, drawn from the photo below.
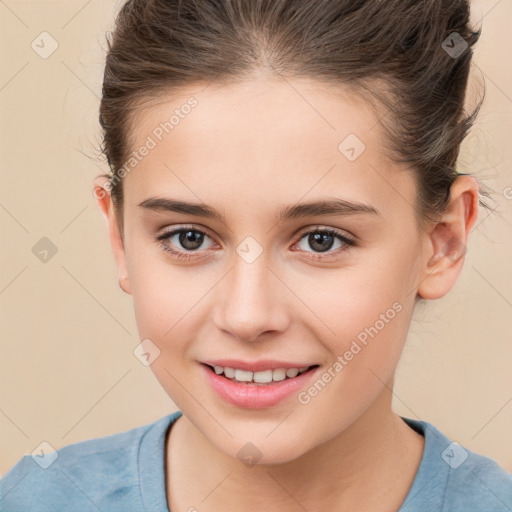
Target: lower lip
(255, 396)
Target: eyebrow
(331, 206)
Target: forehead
(264, 142)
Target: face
(331, 289)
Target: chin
(265, 452)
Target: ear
(446, 243)
(102, 193)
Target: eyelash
(349, 243)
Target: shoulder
(479, 483)
(85, 474)
(453, 478)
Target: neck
(378, 451)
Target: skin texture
(249, 149)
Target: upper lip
(254, 366)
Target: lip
(256, 396)
(255, 366)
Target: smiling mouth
(265, 377)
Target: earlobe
(102, 193)
(124, 284)
(446, 243)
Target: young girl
(283, 193)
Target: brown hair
(411, 57)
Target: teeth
(292, 372)
(243, 376)
(229, 372)
(263, 377)
(279, 374)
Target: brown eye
(323, 240)
(190, 239)
(181, 242)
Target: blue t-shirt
(125, 472)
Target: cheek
(163, 293)
(365, 312)
(350, 300)
(367, 325)
(166, 302)
(171, 305)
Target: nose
(252, 301)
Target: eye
(190, 239)
(323, 239)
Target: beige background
(67, 371)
